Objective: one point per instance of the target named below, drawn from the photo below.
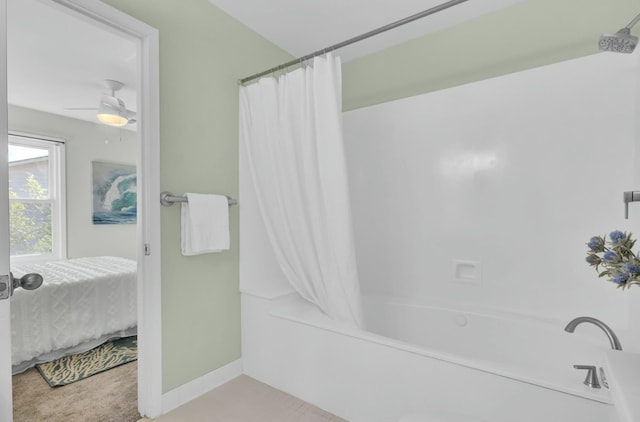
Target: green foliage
(30, 223)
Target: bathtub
(416, 359)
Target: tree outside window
(30, 223)
(36, 178)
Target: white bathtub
(506, 344)
(418, 359)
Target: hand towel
(204, 221)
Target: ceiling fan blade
(131, 116)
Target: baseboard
(199, 386)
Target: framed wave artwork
(114, 193)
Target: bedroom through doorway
(73, 157)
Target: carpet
(110, 396)
(69, 369)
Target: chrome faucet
(592, 377)
(613, 339)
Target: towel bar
(167, 199)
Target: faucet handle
(629, 196)
(592, 376)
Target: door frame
(148, 169)
(6, 398)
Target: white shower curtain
(292, 131)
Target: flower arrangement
(616, 258)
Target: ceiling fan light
(112, 111)
(113, 119)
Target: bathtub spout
(613, 339)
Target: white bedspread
(80, 299)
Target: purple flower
(596, 244)
(617, 236)
(620, 278)
(610, 256)
(614, 258)
(632, 269)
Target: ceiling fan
(111, 110)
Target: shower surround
(472, 207)
(486, 194)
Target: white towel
(205, 224)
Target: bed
(81, 303)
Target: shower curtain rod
(354, 40)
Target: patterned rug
(74, 368)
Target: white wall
(85, 142)
(515, 173)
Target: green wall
(526, 35)
(203, 52)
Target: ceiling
(301, 27)
(55, 60)
(58, 61)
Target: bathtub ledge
(623, 374)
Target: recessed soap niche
(469, 272)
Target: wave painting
(114, 193)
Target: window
(36, 199)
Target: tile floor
(244, 399)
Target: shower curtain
(292, 131)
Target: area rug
(69, 369)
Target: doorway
(147, 243)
